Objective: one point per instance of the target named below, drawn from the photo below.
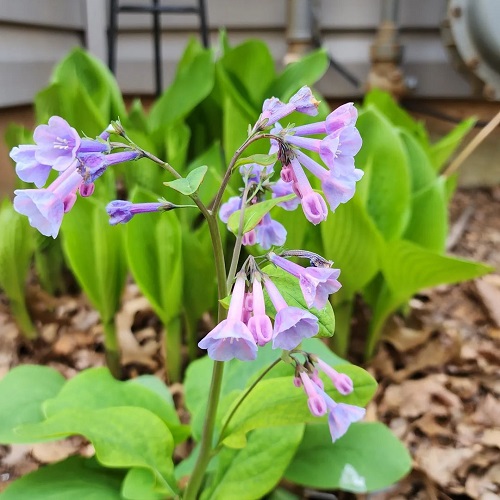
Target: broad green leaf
(250, 67)
(282, 494)
(250, 473)
(75, 477)
(16, 250)
(140, 484)
(408, 268)
(319, 348)
(260, 159)
(367, 458)
(95, 388)
(95, 77)
(123, 437)
(254, 213)
(22, 392)
(276, 402)
(177, 139)
(289, 288)
(297, 227)
(136, 118)
(399, 117)
(441, 150)
(192, 83)
(352, 241)
(428, 224)
(421, 171)
(306, 71)
(190, 184)
(154, 255)
(95, 252)
(389, 195)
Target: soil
(438, 367)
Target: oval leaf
(190, 184)
(254, 214)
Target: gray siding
(34, 34)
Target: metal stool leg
(203, 23)
(112, 34)
(157, 47)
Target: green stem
(239, 238)
(244, 396)
(23, 320)
(343, 315)
(173, 349)
(112, 349)
(205, 454)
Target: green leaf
(367, 458)
(95, 77)
(16, 251)
(408, 268)
(22, 392)
(250, 473)
(192, 83)
(441, 151)
(154, 255)
(254, 213)
(95, 388)
(189, 184)
(428, 224)
(276, 402)
(306, 71)
(290, 289)
(421, 171)
(260, 159)
(352, 241)
(95, 252)
(75, 477)
(389, 194)
(123, 437)
(399, 117)
(250, 68)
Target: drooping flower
(259, 324)
(291, 324)
(93, 165)
(231, 338)
(28, 168)
(45, 207)
(316, 283)
(341, 381)
(121, 211)
(274, 110)
(337, 187)
(270, 232)
(313, 204)
(340, 415)
(344, 116)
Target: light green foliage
(75, 477)
(250, 473)
(189, 184)
(96, 255)
(367, 458)
(16, 250)
(22, 392)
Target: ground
(438, 367)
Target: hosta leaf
(367, 458)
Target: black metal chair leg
(112, 34)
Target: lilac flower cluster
(248, 325)
(79, 161)
(340, 415)
(338, 146)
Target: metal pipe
(389, 11)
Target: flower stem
(112, 349)
(243, 397)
